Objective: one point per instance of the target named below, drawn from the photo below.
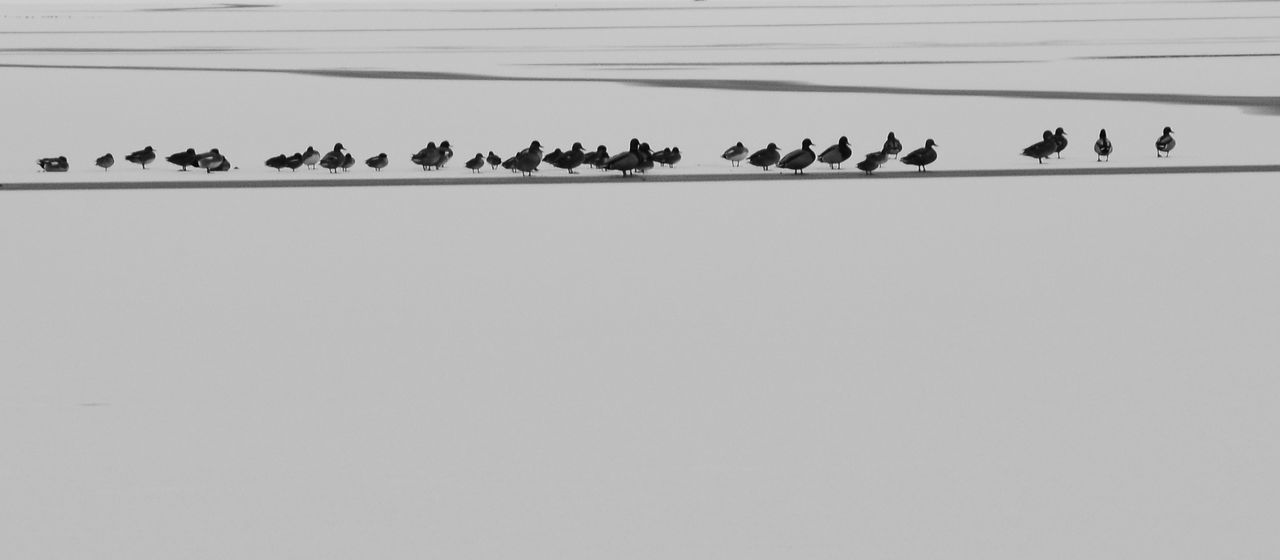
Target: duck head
(844, 140)
(1048, 135)
(635, 144)
(930, 143)
(1060, 132)
(535, 145)
(772, 146)
(892, 137)
(1168, 130)
(338, 147)
(577, 146)
(444, 145)
(1102, 133)
(805, 145)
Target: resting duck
(835, 155)
(294, 161)
(571, 159)
(430, 156)
(105, 162)
(378, 162)
(766, 157)
(278, 162)
(494, 160)
(310, 157)
(1060, 141)
(1042, 149)
(211, 161)
(797, 160)
(142, 157)
(184, 159)
(54, 165)
(735, 154)
(1103, 146)
(873, 162)
(348, 161)
(923, 156)
(597, 158)
(476, 163)
(1166, 142)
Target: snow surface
(1050, 367)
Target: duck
(661, 157)
(552, 157)
(142, 157)
(766, 157)
(923, 156)
(528, 159)
(892, 146)
(1103, 146)
(447, 152)
(571, 159)
(1166, 142)
(105, 162)
(1042, 149)
(494, 160)
(210, 161)
(646, 158)
(626, 162)
(54, 164)
(735, 154)
(277, 162)
(597, 158)
(797, 160)
(674, 157)
(183, 159)
(378, 162)
(428, 157)
(836, 154)
(224, 166)
(476, 163)
(348, 161)
(333, 160)
(510, 164)
(1060, 141)
(872, 162)
(310, 157)
(294, 161)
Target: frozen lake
(969, 365)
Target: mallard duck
(54, 164)
(210, 161)
(571, 159)
(294, 161)
(626, 162)
(872, 162)
(735, 154)
(836, 154)
(310, 157)
(1166, 142)
(105, 162)
(494, 160)
(184, 159)
(1103, 146)
(348, 161)
(1060, 141)
(765, 158)
(528, 159)
(428, 157)
(378, 162)
(333, 160)
(476, 163)
(142, 157)
(797, 160)
(892, 146)
(923, 156)
(277, 162)
(1042, 149)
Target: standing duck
(597, 158)
(54, 164)
(446, 153)
(892, 146)
(553, 157)
(494, 160)
(835, 155)
(348, 161)
(211, 161)
(333, 160)
(571, 159)
(277, 162)
(646, 158)
(475, 163)
(184, 159)
(142, 157)
(1103, 146)
(310, 157)
(797, 160)
(923, 156)
(1042, 149)
(428, 157)
(873, 162)
(528, 159)
(1060, 141)
(626, 162)
(674, 157)
(294, 161)
(766, 157)
(377, 162)
(1166, 142)
(105, 162)
(736, 153)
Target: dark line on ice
(509, 179)
(1262, 105)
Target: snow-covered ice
(1061, 367)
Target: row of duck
(638, 157)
